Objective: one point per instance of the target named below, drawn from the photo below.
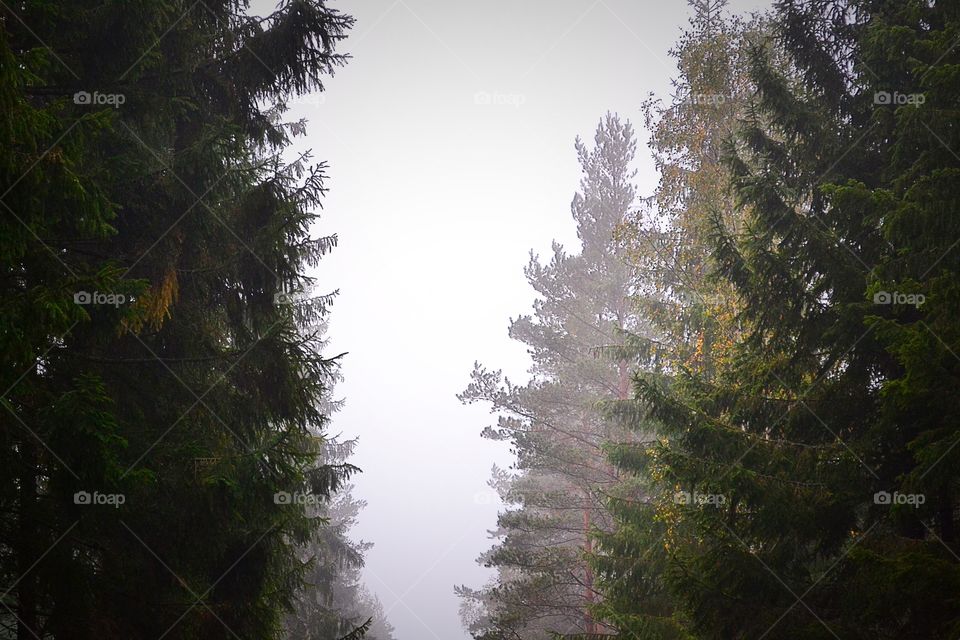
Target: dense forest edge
(740, 420)
(167, 466)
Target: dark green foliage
(141, 158)
(840, 385)
(694, 316)
(833, 397)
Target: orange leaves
(152, 308)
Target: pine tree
(544, 585)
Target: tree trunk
(27, 586)
(588, 574)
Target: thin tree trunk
(588, 573)
(26, 588)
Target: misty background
(449, 137)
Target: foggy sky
(450, 142)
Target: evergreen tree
(544, 585)
(833, 399)
(669, 245)
(331, 603)
(141, 167)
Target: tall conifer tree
(669, 243)
(825, 431)
(544, 584)
(141, 158)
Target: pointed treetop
(706, 14)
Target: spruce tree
(141, 158)
(825, 430)
(331, 603)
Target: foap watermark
(912, 499)
(486, 98)
(97, 99)
(898, 99)
(706, 98)
(897, 297)
(284, 299)
(285, 497)
(96, 498)
(699, 499)
(86, 298)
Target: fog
(449, 137)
